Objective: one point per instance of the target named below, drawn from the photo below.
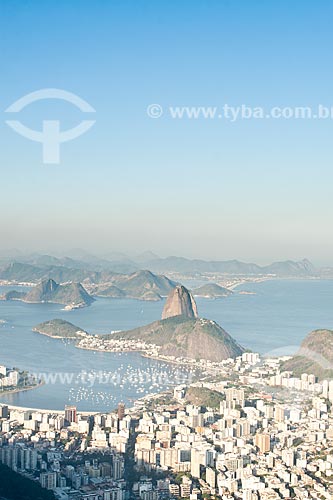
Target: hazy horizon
(114, 255)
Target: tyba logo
(51, 136)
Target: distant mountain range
(141, 285)
(22, 272)
(98, 270)
(100, 278)
(232, 267)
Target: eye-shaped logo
(51, 136)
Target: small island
(71, 295)
(60, 329)
(211, 291)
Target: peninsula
(60, 329)
(180, 334)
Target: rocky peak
(48, 286)
(180, 302)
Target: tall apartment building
(70, 414)
(121, 410)
(211, 477)
(48, 480)
(263, 442)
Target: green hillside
(211, 290)
(203, 396)
(315, 356)
(191, 338)
(59, 328)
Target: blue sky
(256, 190)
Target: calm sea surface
(274, 320)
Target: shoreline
(45, 410)
(142, 353)
(108, 350)
(251, 281)
(56, 337)
(244, 281)
(187, 364)
(21, 389)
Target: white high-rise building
(288, 457)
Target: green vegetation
(180, 475)
(315, 356)
(202, 396)
(301, 364)
(59, 328)
(162, 400)
(110, 291)
(192, 338)
(13, 486)
(211, 290)
(297, 442)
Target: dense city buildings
(270, 437)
